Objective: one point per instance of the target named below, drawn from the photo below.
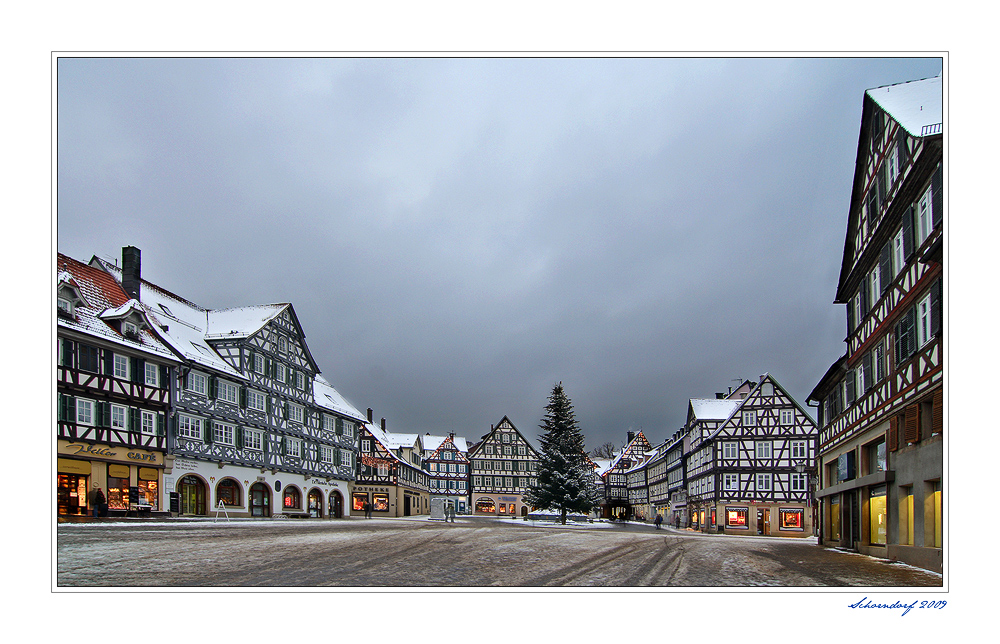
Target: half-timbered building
(113, 378)
(447, 463)
(614, 479)
(390, 477)
(255, 430)
(882, 403)
(674, 448)
(504, 465)
(749, 463)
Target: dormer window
(130, 330)
(65, 307)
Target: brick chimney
(131, 271)
(369, 414)
(631, 437)
(383, 424)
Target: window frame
(296, 413)
(750, 414)
(253, 440)
(763, 477)
(757, 450)
(186, 424)
(144, 415)
(124, 416)
(91, 407)
(192, 384)
(786, 413)
(730, 450)
(151, 369)
(253, 395)
(924, 321)
(223, 433)
(121, 366)
(924, 224)
(227, 391)
(800, 449)
(730, 482)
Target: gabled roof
(329, 398)
(478, 446)
(242, 321)
(101, 293)
(447, 443)
(433, 443)
(916, 105)
(713, 408)
(638, 443)
(751, 397)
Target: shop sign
(508, 499)
(106, 452)
(70, 466)
(365, 488)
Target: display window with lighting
(118, 483)
(149, 489)
(380, 502)
(790, 519)
(292, 498)
(486, 505)
(877, 513)
(228, 491)
(736, 517)
(358, 501)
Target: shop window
(118, 483)
(878, 515)
(737, 517)
(790, 519)
(932, 515)
(906, 515)
(228, 491)
(292, 498)
(149, 489)
(358, 501)
(380, 502)
(875, 457)
(485, 505)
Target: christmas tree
(565, 478)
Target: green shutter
(67, 408)
(159, 425)
(243, 397)
(173, 425)
(283, 446)
(213, 387)
(239, 437)
(340, 426)
(286, 410)
(135, 367)
(133, 419)
(207, 431)
(164, 376)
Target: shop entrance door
(406, 506)
(315, 500)
(192, 492)
(763, 521)
(336, 505)
(260, 500)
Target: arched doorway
(260, 500)
(524, 510)
(315, 503)
(336, 505)
(292, 498)
(229, 492)
(192, 495)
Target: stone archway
(336, 505)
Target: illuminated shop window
(878, 515)
(292, 497)
(486, 505)
(790, 518)
(736, 517)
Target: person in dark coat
(97, 501)
(658, 520)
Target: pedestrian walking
(97, 501)
(658, 520)
(368, 510)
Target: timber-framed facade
(882, 403)
(504, 466)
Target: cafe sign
(106, 452)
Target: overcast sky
(459, 235)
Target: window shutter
(880, 181)
(937, 412)
(133, 419)
(285, 411)
(67, 353)
(159, 425)
(187, 379)
(864, 296)
(937, 201)
(936, 292)
(908, 232)
(239, 437)
(213, 387)
(104, 414)
(901, 148)
(885, 268)
(340, 426)
(269, 411)
(283, 447)
(243, 397)
(68, 408)
(109, 362)
(164, 376)
(850, 316)
(911, 429)
(135, 369)
(251, 361)
(849, 389)
(207, 433)
(173, 425)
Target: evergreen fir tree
(565, 479)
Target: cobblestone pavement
(469, 553)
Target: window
(923, 223)
(252, 439)
(750, 418)
(300, 380)
(799, 449)
(731, 482)
(905, 332)
(189, 427)
(65, 306)
(228, 392)
(857, 309)
(282, 344)
(924, 321)
(729, 450)
(799, 482)
(348, 429)
(763, 449)
(292, 497)
(786, 416)
(347, 458)
(876, 457)
(148, 423)
(197, 383)
(763, 481)
(877, 514)
(295, 413)
(874, 287)
(119, 417)
(258, 363)
(898, 252)
(224, 433)
(293, 447)
(736, 517)
(878, 361)
(256, 400)
(152, 374)
(790, 518)
(121, 367)
(893, 161)
(279, 372)
(84, 411)
(366, 446)
(129, 329)
(228, 491)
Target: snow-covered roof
(101, 293)
(714, 408)
(432, 442)
(327, 397)
(242, 321)
(916, 105)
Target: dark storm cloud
(459, 235)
